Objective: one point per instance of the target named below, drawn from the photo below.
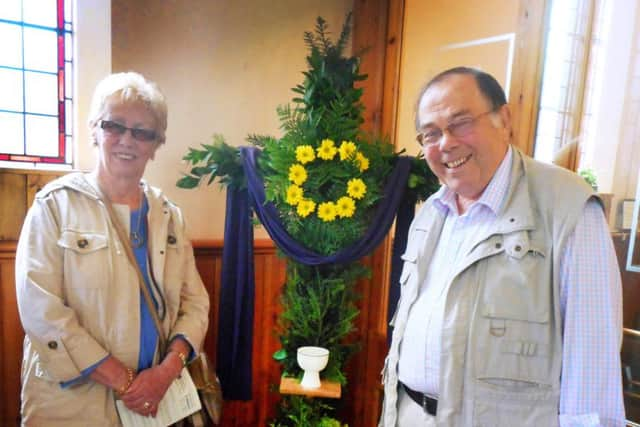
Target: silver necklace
(137, 239)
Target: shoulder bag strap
(124, 239)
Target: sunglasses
(139, 134)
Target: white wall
(92, 62)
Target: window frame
(64, 73)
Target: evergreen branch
(344, 34)
(321, 31)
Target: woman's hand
(113, 374)
(150, 386)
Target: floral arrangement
(328, 211)
(324, 191)
(325, 177)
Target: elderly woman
(90, 337)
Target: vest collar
(515, 212)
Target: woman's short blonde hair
(125, 88)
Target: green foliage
(328, 97)
(214, 160)
(304, 412)
(590, 176)
(422, 182)
(319, 310)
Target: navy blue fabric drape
(235, 316)
(237, 287)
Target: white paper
(180, 401)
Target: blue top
(148, 332)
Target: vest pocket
(407, 270)
(517, 282)
(513, 333)
(509, 409)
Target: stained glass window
(36, 82)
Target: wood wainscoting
(362, 396)
(269, 280)
(11, 335)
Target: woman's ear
(93, 137)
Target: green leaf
(188, 182)
(203, 170)
(280, 355)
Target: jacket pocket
(86, 259)
(82, 242)
(55, 363)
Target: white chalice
(312, 360)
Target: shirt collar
(492, 197)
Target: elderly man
(510, 308)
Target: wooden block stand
(329, 389)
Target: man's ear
(505, 116)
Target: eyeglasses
(458, 129)
(139, 134)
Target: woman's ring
(146, 405)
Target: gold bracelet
(124, 388)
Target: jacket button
(82, 243)
(518, 248)
(52, 345)
(498, 245)
(172, 240)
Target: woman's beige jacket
(79, 298)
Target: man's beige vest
(501, 338)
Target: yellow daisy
(305, 154)
(363, 162)
(347, 149)
(345, 207)
(305, 207)
(327, 149)
(327, 211)
(297, 174)
(294, 195)
(356, 188)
